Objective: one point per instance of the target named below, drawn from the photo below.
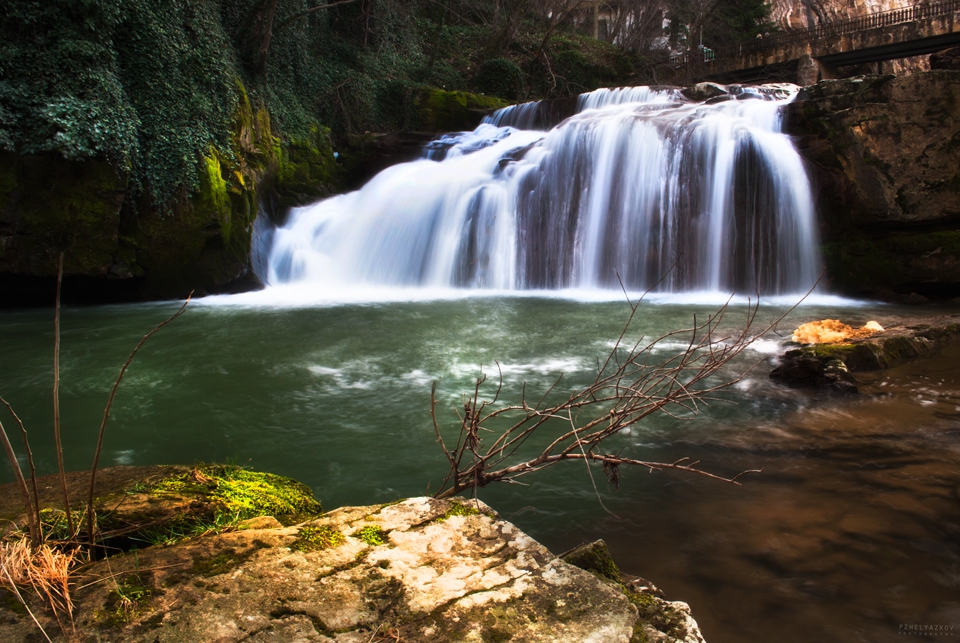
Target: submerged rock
(803, 369)
(422, 570)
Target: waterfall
(640, 185)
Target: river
(850, 532)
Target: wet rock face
(884, 152)
(801, 369)
(422, 570)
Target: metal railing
(830, 30)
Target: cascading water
(641, 186)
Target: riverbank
(418, 569)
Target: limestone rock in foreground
(422, 570)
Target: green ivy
(154, 86)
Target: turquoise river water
(851, 533)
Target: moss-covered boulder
(140, 506)
(446, 111)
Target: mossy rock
(445, 111)
(143, 506)
(306, 169)
(52, 205)
(594, 557)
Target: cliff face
(804, 14)
(885, 157)
(120, 246)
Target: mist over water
(641, 186)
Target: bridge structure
(808, 55)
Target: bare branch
(38, 537)
(56, 402)
(106, 415)
(630, 385)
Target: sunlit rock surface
(421, 570)
(831, 331)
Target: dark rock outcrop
(885, 158)
(803, 369)
(946, 59)
(831, 366)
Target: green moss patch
(126, 602)
(459, 509)
(205, 499)
(372, 535)
(317, 538)
(243, 493)
(595, 557)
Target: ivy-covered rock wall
(885, 155)
(137, 140)
(140, 137)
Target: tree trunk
(266, 35)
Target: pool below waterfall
(850, 532)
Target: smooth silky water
(851, 529)
(428, 272)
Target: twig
(106, 415)
(56, 402)
(33, 471)
(21, 484)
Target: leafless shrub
(38, 563)
(630, 385)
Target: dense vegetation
(154, 85)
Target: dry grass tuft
(44, 569)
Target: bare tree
(630, 385)
(556, 12)
(265, 17)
